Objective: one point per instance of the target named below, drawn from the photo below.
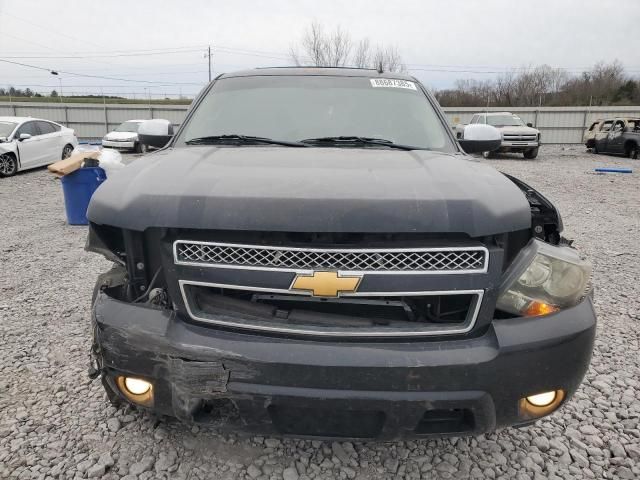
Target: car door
(51, 140)
(602, 135)
(615, 140)
(31, 151)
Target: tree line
(605, 84)
(27, 92)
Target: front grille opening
(440, 421)
(217, 409)
(290, 420)
(405, 311)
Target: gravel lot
(55, 423)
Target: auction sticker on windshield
(392, 83)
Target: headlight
(545, 279)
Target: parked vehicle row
(125, 136)
(517, 137)
(32, 142)
(614, 135)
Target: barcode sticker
(392, 83)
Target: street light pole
(53, 72)
(208, 55)
(148, 91)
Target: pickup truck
(516, 136)
(617, 135)
(314, 253)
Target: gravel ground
(54, 423)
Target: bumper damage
(381, 390)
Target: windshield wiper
(234, 139)
(346, 140)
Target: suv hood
(311, 190)
(511, 130)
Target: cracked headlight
(545, 279)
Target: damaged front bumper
(381, 390)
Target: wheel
(140, 148)
(531, 153)
(8, 165)
(595, 148)
(67, 151)
(632, 151)
(489, 154)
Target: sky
(440, 41)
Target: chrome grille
(519, 138)
(428, 260)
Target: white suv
(516, 135)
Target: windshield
(294, 108)
(505, 121)
(128, 127)
(6, 128)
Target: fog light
(136, 385)
(542, 399)
(540, 404)
(136, 390)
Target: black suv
(314, 254)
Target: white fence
(92, 121)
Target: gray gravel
(54, 423)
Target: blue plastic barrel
(78, 187)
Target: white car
(31, 142)
(125, 137)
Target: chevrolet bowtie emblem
(326, 284)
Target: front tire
(632, 151)
(67, 151)
(8, 165)
(531, 153)
(140, 148)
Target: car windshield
(128, 127)
(505, 121)
(295, 108)
(6, 128)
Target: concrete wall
(92, 121)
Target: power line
(54, 57)
(95, 76)
(46, 29)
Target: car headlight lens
(545, 279)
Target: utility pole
(208, 55)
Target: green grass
(171, 101)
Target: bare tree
(362, 54)
(323, 49)
(389, 58)
(336, 49)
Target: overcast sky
(439, 40)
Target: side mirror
(530, 124)
(155, 133)
(24, 136)
(478, 138)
